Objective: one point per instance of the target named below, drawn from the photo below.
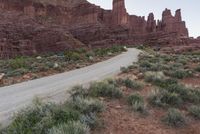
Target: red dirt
(118, 118)
(194, 81)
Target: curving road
(15, 97)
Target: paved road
(15, 97)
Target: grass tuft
(195, 111)
(70, 128)
(174, 118)
(105, 89)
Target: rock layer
(57, 25)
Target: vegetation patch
(194, 111)
(131, 84)
(76, 116)
(70, 128)
(105, 89)
(137, 103)
(174, 118)
(27, 68)
(197, 68)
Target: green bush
(135, 98)
(42, 117)
(117, 49)
(17, 72)
(180, 74)
(159, 79)
(194, 111)
(35, 120)
(105, 89)
(124, 69)
(70, 128)
(174, 118)
(90, 120)
(154, 76)
(78, 91)
(72, 56)
(64, 114)
(193, 96)
(163, 98)
(197, 68)
(172, 99)
(86, 105)
(18, 63)
(132, 84)
(137, 103)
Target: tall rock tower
(174, 23)
(119, 13)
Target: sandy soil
(119, 118)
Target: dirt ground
(119, 118)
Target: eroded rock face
(56, 25)
(22, 35)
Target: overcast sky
(190, 10)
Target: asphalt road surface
(54, 88)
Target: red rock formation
(119, 13)
(151, 23)
(51, 25)
(173, 23)
(22, 35)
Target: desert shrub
(187, 94)
(42, 117)
(70, 128)
(180, 74)
(193, 96)
(72, 56)
(159, 79)
(18, 63)
(90, 120)
(34, 120)
(131, 84)
(117, 48)
(141, 47)
(89, 54)
(137, 103)
(167, 58)
(139, 107)
(155, 98)
(101, 52)
(145, 64)
(78, 91)
(174, 118)
(182, 59)
(163, 83)
(163, 98)
(197, 68)
(194, 111)
(124, 69)
(154, 76)
(172, 99)
(135, 98)
(105, 89)
(81, 50)
(64, 114)
(86, 105)
(17, 72)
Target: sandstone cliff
(55, 25)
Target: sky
(190, 10)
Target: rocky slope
(52, 25)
